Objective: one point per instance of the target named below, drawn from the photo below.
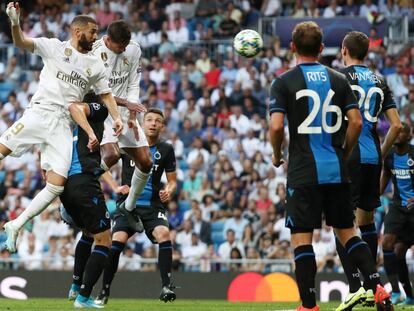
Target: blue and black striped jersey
(401, 168)
(84, 161)
(163, 158)
(315, 99)
(374, 97)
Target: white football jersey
(123, 69)
(67, 75)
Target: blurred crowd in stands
(230, 201)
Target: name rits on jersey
(316, 76)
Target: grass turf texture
(35, 304)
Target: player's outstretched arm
(80, 113)
(19, 39)
(353, 131)
(277, 132)
(394, 130)
(109, 101)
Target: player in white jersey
(69, 71)
(121, 57)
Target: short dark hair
(357, 44)
(156, 111)
(119, 32)
(82, 21)
(307, 37)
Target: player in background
(402, 244)
(399, 221)
(316, 100)
(122, 57)
(84, 201)
(364, 164)
(69, 72)
(150, 207)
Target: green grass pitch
(154, 305)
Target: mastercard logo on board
(274, 287)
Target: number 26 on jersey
(305, 127)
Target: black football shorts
(365, 186)
(306, 206)
(85, 203)
(151, 217)
(400, 221)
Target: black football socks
(404, 277)
(82, 253)
(111, 265)
(391, 268)
(351, 272)
(305, 274)
(93, 269)
(369, 235)
(360, 255)
(165, 262)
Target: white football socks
(139, 180)
(39, 203)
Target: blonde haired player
(69, 72)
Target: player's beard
(85, 44)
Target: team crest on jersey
(410, 162)
(68, 52)
(89, 72)
(126, 61)
(104, 56)
(157, 155)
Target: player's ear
(344, 51)
(293, 47)
(75, 31)
(321, 48)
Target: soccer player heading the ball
(69, 72)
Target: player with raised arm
(316, 99)
(150, 207)
(122, 58)
(364, 164)
(84, 202)
(399, 221)
(69, 71)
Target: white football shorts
(50, 127)
(127, 138)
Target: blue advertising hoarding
(334, 28)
